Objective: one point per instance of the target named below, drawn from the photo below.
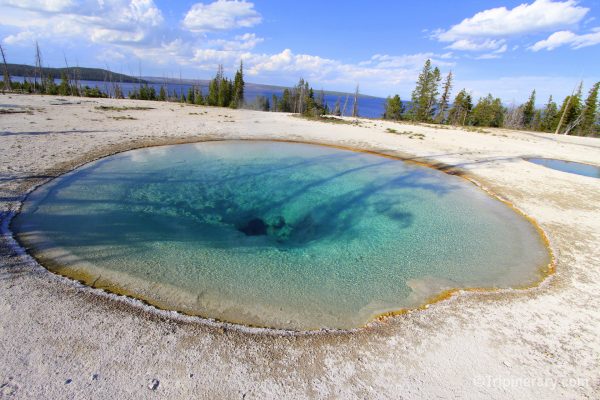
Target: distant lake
(370, 107)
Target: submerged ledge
(114, 292)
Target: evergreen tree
(536, 123)
(461, 108)
(570, 111)
(394, 108)
(49, 86)
(445, 99)
(190, 95)
(213, 93)
(162, 95)
(549, 116)
(424, 96)
(529, 110)
(590, 112)
(225, 92)
(286, 101)
(238, 88)
(198, 97)
(488, 112)
(64, 89)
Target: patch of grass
(411, 134)
(2, 111)
(329, 118)
(112, 108)
(123, 117)
(419, 136)
(475, 129)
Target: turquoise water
(281, 235)
(568, 166)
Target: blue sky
(507, 48)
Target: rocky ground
(59, 339)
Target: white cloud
(541, 15)
(40, 5)
(115, 21)
(221, 15)
(247, 41)
(488, 29)
(469, 45)
(562, 38)
(20, 38)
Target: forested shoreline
(431, 101)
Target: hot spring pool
(567, 166)
(273, 234)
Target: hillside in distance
(82, 73)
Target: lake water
(369, 107)
(272, 234)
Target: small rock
(95, 377)
(68, 381)
(191, 375)
(153, 385)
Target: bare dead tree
(355, 105)
(345, 105)
(67, 74)
(573, 124)
(7, 84)
(39, 69)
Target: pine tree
(445, 99)
(529, 110)
(286, 101)
(433, 90)
(424, 97)
(213, 93)
(488, 112)
(590, 111)
(461, 108)
(190, 95)
(64, 89)
(238, 88)
(274, 103)
(198, 97)
(570, 111)
(394, 108)
(549, 120)
(162, 95)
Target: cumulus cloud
(488, 29)
(541, 15)
(221, 15)
(562, 38)
(116, 21)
